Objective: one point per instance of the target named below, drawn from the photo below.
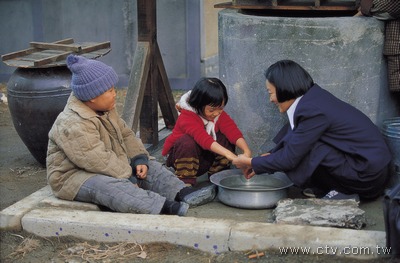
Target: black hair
(289, 78)
(208, 91)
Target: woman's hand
(141, 171)
(248, 173)
(242, 162)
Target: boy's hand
(141, 171)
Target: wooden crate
(42, 54)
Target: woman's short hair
(208, 91)
(289, 78)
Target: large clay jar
(35, 97)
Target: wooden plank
(165, 97)
(95, 47)
(323, 5)
(63, 47)
(147, 27)
(137, 85)
(149, 112)
(287, 7)
(38, 57)
(51, 59)
(147, 31)
(294, 2)
(28, 60)
(32, 50)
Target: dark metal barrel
(391, 132)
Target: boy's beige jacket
(83, 144)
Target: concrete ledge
(205, 234)
(44, 215)
(10, 217)
(209, 235)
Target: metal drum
(391, 132)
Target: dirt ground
(21, 175)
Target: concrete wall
(209, 39)
(342, 54)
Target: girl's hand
(231, 156)
(141, 171)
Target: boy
(94, 157)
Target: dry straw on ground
(26, 246)
(93, 253)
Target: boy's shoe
(314, 192)
(183, 209)
(335, 195)
(174, 208)
(200, 196)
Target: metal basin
(260, 192)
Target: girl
(204, 137)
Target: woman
(329, 146)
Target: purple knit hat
(90, 78)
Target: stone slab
(307, 240)
(320, 212)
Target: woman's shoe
(314, 192)
(335, 195)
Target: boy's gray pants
(121, 195)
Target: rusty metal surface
(314, 5)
